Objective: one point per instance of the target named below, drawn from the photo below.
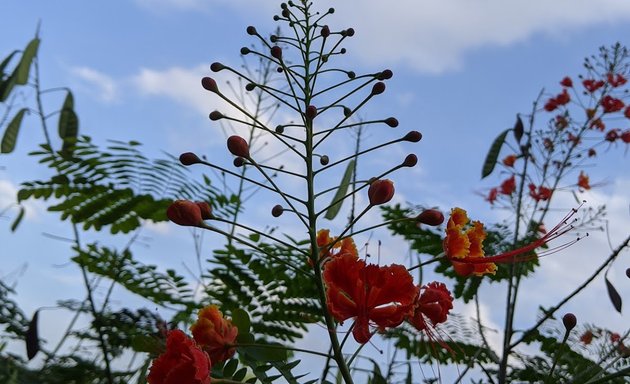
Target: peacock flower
(463, 245)
(182, 362)
(432, 305)
(378, 296)
(330, 247)
(215, 334)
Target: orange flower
(329, 246)
(464, 242)
(182, 362)
(509, 160)
(463, 245)
(382, 296)
(433, 303)
(215, 334)
(583, 181)
(586, 338)
(508, 186)
(543, 193)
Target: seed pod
(380, 191)
(189, 158)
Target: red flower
(463, 245)
(586, 338)
(508, 186)
(542, 194)
(182, 362)
(615, 337)
(563, 98)
(626, 113)
(215, 334)
(433, 303)
(612, 135)
(592, 85)
(583, 182)
(492, 195)
(599, 124)
(574, 139)
(548, 144)
(592, 152)
(561, 122)
(625, 136)
(509, 160)
(551, 105)
(382, 296)
(566, 82)
(616, 80)
(330, 247)
(184, 212)
(611, 104)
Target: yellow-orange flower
(214, 334)
(329, 246)
(464, 242)
(583, 181)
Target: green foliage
(10, 314)
(332, 212)
(117, 187)
(143, 280)
(274, 288)
(10, 134)
(493, 154)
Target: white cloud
(8, 199)
(99, 84)
(435, 36)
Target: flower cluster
(379, 296)
(189, 360)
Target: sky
(462, 70)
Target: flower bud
(324, 160)
(628, 273)
(238, 146)
(569, 320)
(238, 162)
(431, 217)
(410, 161)
(209, 84)
(184, 212)
(276, 52)
(277, 210)
(391, 121)
(347, 111)
(381, 191)
(285, 12)
(325, 31)
(350, 32)
(413, 136)
(311, 112)
(251, 30)
(245, 51)
(216, 67)
(216, 115)
(385, 75)
(378, 88)
(250, 86)
(189, 158)
(351, 74)
(279, 129)
(206, 210)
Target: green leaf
(68, 124)
(614, 296)
(332, 212)
(18, 219)
(10, 135)
(32, 337)
(5, 62)
(262, 353)
(146, 343)
(24, 67)
(240, 318)
(493, 154)
(230, 368)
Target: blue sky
(462, 70)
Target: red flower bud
(391, 121)
(378, 88)
(413, 136)
(381, 191)
(184, 212)
(385, 75)
(251, 30)
(245, 51)
(216, 67)
(250, 86)
(566, 82)
(206, 210)
(277, 210)
(238, 146)
(431, 217)
(209, 84)
(276, 52)
(216, 115)
(311, 111)
(238, 162)
(569, 320)
(325, 32)
(410, 161)
(324, 160)
(189, 158)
